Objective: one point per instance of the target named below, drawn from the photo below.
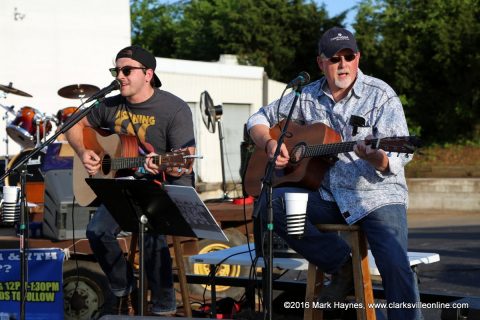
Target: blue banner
(44, 288)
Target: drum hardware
(11, 89)
(38, 123)
(42, 123)
(8, 110)
(78, 91)
(51, 118)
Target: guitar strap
(140, 143)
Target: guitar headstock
(177, 158)
(405, 144)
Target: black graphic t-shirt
(162, 123)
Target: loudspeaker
(58, 221)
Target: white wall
(238, 88)
(50, 44)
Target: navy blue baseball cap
(336, 39)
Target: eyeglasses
(347, 57)
(126, 70)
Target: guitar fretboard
(127, 163)
(397, 144)
(330, 148)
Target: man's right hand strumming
(91, 161)
(261, 136)
(283, 157)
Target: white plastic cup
(10, 194)
(10, 209)
(296, 213)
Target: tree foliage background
(280, 35)
(427, 50)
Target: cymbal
(78, 91)
(11, 89)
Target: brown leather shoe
(340, 286)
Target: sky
(335, 7)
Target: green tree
(154, 26)
(429, 51)
(280, 35)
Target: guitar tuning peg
(407, 155)
(398, 154)
(389, 153)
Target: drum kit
(30, 127)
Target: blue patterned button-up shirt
(355, 185)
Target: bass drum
(35, 182)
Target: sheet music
(195, 212)
(170, 209)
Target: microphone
(302, 79)
(115, 85)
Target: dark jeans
(386, 230)
(102, 233)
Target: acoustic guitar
(117, 153)
(313, 149)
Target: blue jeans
(386, 230)
(102, 231)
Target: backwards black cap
(141, 55)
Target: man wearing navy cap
(161, 122)
(365, 187)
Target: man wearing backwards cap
(365, 187)
(161, 122)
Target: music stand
(144, 206)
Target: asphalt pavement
(455, 236)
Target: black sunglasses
(126, 70)
(347, 57)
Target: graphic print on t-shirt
(140, 121)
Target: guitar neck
(331, 148)
(128, 163)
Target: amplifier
(63, 219)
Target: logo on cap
(339, 37)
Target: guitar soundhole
(106, 164)
(298, 153)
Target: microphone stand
(23, 228)
(23, 239)
(267, 190)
